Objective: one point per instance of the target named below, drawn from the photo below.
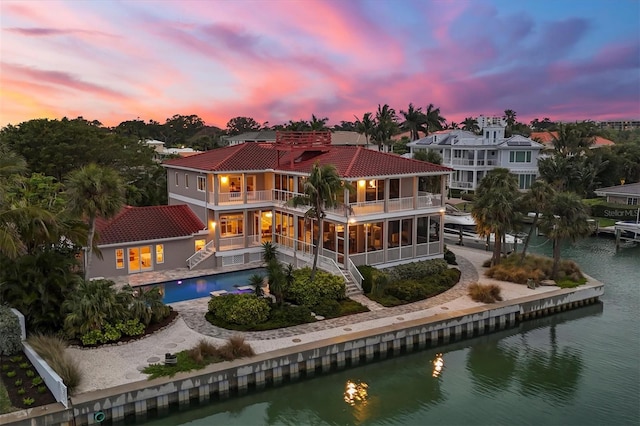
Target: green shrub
(327, 308)
(30, 373)
(408, 290)
(416, 270)
(325, 286)
(242, 309)
(485, 293)
(450, 257)
(132, 327)
(24, 365)
(11, 374)
(367, 277)
(21, 391)
(28, 401)
(289, 315)
(10, 331)
(92, 338)
(111, 333)
(18, 383)
(36, 381)
(42, 389)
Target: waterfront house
(242, 193)
(472, 156)
(143, 239)
(547, 138)
(628, 194)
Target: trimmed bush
(10, 331)
(327, 308)
(450, 257)
(416, 270)
(324, 287)
(485, 293)
(241, 309)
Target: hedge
(11, 341)
(241, 309)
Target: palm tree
(91, 305)
(257, 280)
(566, 219)
(494, 209)
(537, 198)
(318, 123)
(365, 126)
(320, 191)
(470, 124)
(434, 120)
(414, 121)
(386, 124)
(94, 191)
(453, 125)
(510, 117)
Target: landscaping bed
(24, 387)
(536, 268)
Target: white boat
(628, 230)
(460, 228)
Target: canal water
(580, 367)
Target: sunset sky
(281, 60)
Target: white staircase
(201, 255)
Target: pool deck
(122, 364)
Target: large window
(400, 233)
(231, 225)
(140, 259)
(375, 190)
(525, 181)
(202, 183)
(632, 201)
(520, 156)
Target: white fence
(50, 377)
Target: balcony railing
(230, 198)
(460, 184)
(398, 204)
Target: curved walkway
(191, 311)
(121, 364)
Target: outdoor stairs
(352, 287)
(200, 256)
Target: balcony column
(475, 158)
(243, 188)
(216, 189)
(416, 179)
(245, 225)
(386, 195)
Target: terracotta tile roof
(547, 138)
(350, 161)
(148, 223)
(246, 156)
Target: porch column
(216, 189)
(416, 179)
(216, 229)
(245, 224)
(386, 195)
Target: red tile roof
(148, 223)
(350, 161)
(547, 138)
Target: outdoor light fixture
(372, 183)
(268, 214)
(224, 179)
(361, 183)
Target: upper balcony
(274, 197)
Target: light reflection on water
(574, 368)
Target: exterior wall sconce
(224, 179)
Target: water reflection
(438, 365)
(355, 393)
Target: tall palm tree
(435, 121)
(320, 191)
(566, 219)
(386, 125)
(414, 121)
(537, 199)
(470, 124)
(453, 125)
(365, 126)
(510, 117)
(495, 207)
(94, 191)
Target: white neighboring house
(161, 152)
(472, 156)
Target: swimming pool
(194, 288)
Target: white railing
(200, 255)
(50, 377)
(460, 184)
(427, 200)
(231, 243)
(259, 196)
(462, 162)
(397, 204)
(254, 240)
(231, 197)
(367, 207)
(357, 276)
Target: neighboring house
(142, 239)
(243, 194)
(161, 152)
(628, 194)
(473, 156)
(339, 137)
(547, 138)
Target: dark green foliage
(367, 277)
(131, 327)
(327, 308)
(11, 341)
(326, 286)
(450, 257)
(412, 282)
(241, 309)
